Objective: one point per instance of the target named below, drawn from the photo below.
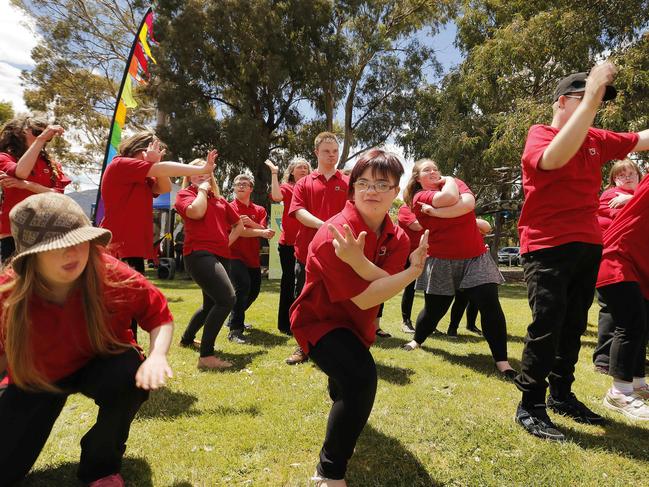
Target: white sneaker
(631, 405)
(325, 482)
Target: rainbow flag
(136, 71)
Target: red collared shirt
(322, 198)
(626, 246)
(246, 249)
(128, 207)
(405, 218)
(561, 205)
(450, 238)
(41, 174)
(605, 213)
(290, 225)
(210, 233)
(59, 341)
(325, 302)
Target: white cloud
(17, 39)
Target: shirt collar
(316, 174)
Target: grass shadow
(380, 460)
(165, 403)
(136, 471)
(239, 360)
(619, 438)
(257, 336)
(479, 362)
(392, 342)
(395, 375)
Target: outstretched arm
(276, 192)
(26, 163)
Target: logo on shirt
(592, 151)
(337, 188)
(383, 251)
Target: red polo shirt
(626, 246)
(210, 233)
(246, 249)
(325, 302)
(605, 214)
(128, 207)
(450, 238)
(290, 225)
(322, 198)
(561, 205)
(59, 341)
(41, 174)
(405, 218)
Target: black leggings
(352, 387)
(407, 298)
(461, 303)
(485, 298)
(629, 310)
(287, 287)
(247, 283)
(136, 263)
(210, 272)
(7, 248)
(27, 418)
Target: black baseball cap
(576, 83)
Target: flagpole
(99, 210)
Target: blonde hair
(619, 167)
(413, 186)
(245, 176)
(324, 137)
(187, 179)
(137, 143)
(295, 162)
(16, 317)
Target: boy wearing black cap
(561, 242)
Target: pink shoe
(114, 480)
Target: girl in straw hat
(65, 328)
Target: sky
(18, 38)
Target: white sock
(622, 387)
(639, 383)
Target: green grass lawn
(441, 416)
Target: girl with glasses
(457, 259)
(25, 169)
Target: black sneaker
(474, 329)
(575, 409)
(237, 337)
(535, 421)
(452, 332)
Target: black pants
(407, 298)
(560, 289)
(352, 387)
(210, 272)
(485, 297)
(247, 283)
(629, 310)
(461, 303)
(136, 263)
(300, 276)
(287, 287)
(7, 248)
(605, 332)
(27, 418)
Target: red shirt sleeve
(230, 213)
(538, 138)
(130, 170)
(615, 145)
(7, 164)
(262, 216)
(340, 280)
(425, 197)
(184, 198)
(406, 217)
(62, 180)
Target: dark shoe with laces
(237, 337)
(575, 409)
(452, 332)
(382, 333)
(297, 357)
(535, 421)
(474, 329)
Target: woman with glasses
(622, 183)
(25, 168)
(354, 263)
(457, 259)
(296, 170)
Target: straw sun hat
(50, 221)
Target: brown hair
(381, 162)
(137, 143)
(295, 162)
(13, 141)
(620, 166)
(413, 186)
(16, 320)
(324, 136)
(187, 179)
(245, 176)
